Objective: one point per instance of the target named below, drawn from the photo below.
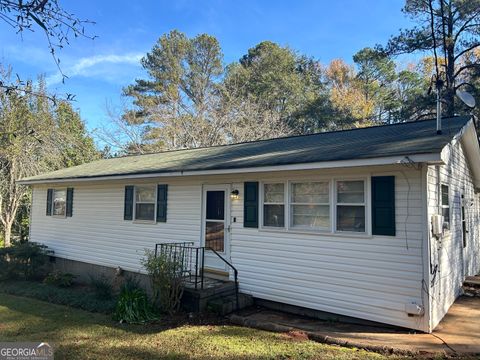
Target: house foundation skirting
(193, 300)
(318, 314)
(84, 272)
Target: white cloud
(104, 66)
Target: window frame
(291, 204)
(332, 180)
(155, 200)
(286, 218)
(446, 224)
(56, 216)
(366, 205)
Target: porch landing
(208, 283)
(217, 295)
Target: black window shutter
(250, 205)
(49, 201)
(162, 195)
(69, 201)
(383, 205)
(128, 205)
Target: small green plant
(24, 260)
(166, 276)
(133, 305)
(60, 279)
(130, 283)
(102, 287)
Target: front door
(216, 226)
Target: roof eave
(431, 158)
(469, 141)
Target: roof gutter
(469, 141)
(434, 158)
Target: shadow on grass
(78, 296)
(89, 351)
(138, 353)
(50, 315)
(77, 334)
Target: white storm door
(216, 225)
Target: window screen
(351, 205)
(274, 205)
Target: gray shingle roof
(407, 138)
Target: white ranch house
(379, 223)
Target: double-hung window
(145, 196)
(274, 205)
(315, 205)
(445, 206)
(59, 203)
(310, 205)
(350, 205)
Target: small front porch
(205, 289)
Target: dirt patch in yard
(297, 335)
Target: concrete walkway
(458, 333)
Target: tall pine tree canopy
(280, 80)
(190, 98)
(175, 101)
(449, 30)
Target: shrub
(60, 279)
(130, 283)
(24, 260)
(133, 305)
(102, 287)
(166, 276)
(78, 297)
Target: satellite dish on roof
(466, 98)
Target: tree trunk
(450, 90)
(450, 70)
(450, 100)
(7, 234)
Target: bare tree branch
(55, 22)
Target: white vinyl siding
(449, 257)
(352, 274)
(98, 234)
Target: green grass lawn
(78, 334)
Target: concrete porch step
(196, 299)
(472, 281)
(227, 304)
(471, 286)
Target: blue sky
(126, 30)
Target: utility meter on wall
(437, 225)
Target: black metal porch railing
(191, 259)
